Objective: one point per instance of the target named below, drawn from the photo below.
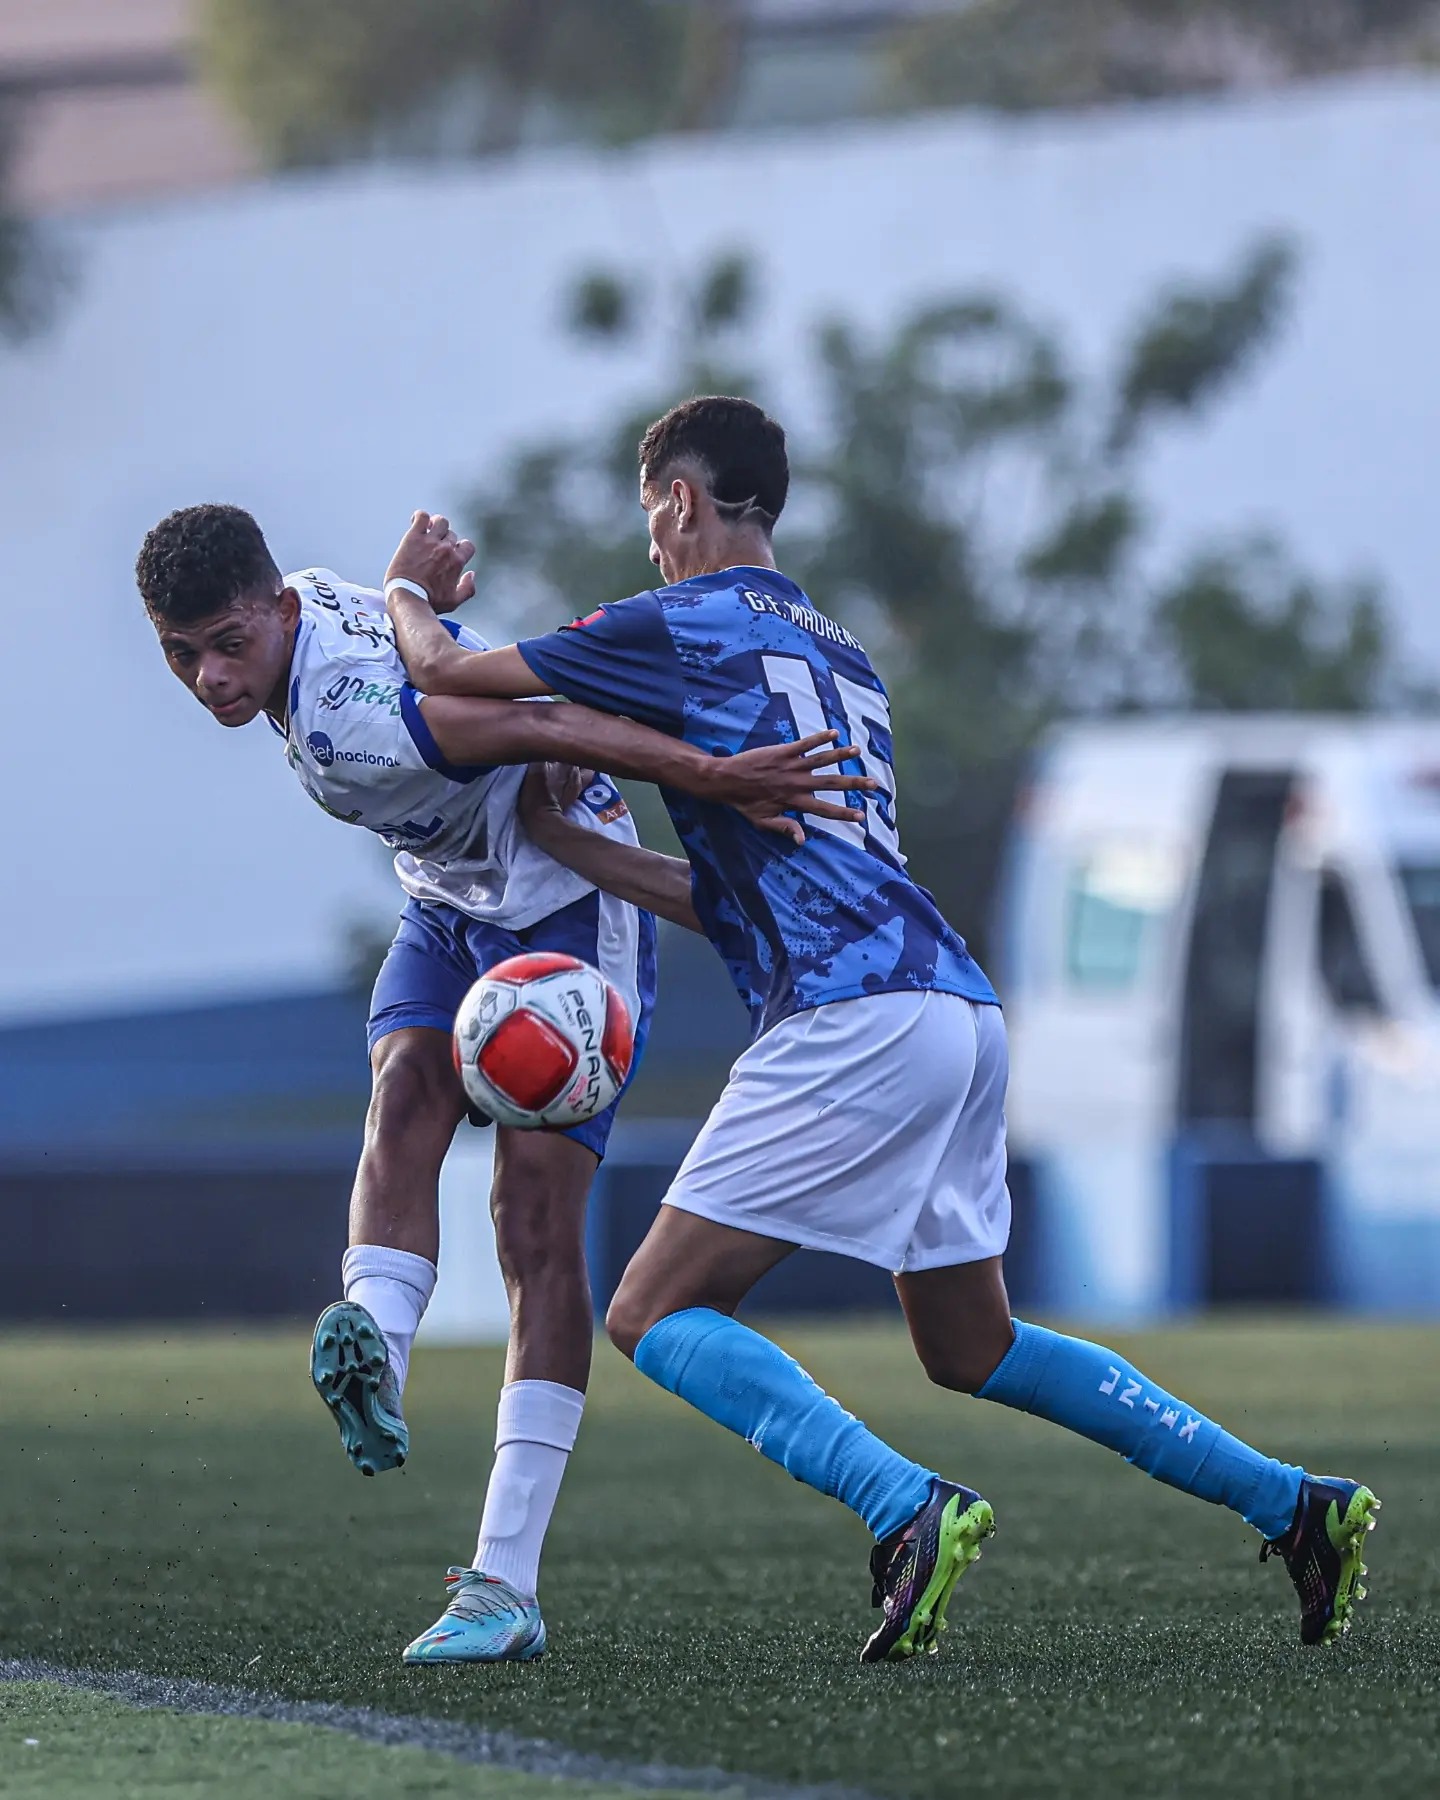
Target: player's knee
(626, 1321)
(966, 1364)
(412, 1096)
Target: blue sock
(1096, 1393)
(749, 1385)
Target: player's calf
(542, 1181)
(1316, 1524)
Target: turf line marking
(463, 1743)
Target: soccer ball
(543, 1042)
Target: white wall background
(333, 352)
(469, 1305)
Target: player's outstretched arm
(765, 785)
(661, 884)
(438, 665)
(481, 724)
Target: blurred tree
(322, 80)
(1019, 54)
(973, 506)
(1250, 633)
(562, 522)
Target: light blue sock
(1096, 1393)
(749, 1385)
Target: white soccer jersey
(357, 739)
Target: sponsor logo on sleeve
(605, 801)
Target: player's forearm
(426, 647)
(436, 664)
(503, 731)
(660, 884)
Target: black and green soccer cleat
(1321, 1553)
(350, 1367)
(916, 1568)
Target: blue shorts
(439, 953)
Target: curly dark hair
(194, 563)
(739, 448)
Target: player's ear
(289, 603)
(683, 494)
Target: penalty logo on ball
(543, 1041)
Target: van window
(1113, 899)
(1422, 891)
(1343, 967)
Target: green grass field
(182, 1507)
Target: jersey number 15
(864, 721)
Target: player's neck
(739, 550)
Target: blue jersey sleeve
(621, 659)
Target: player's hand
(777, 779)
(432, 556)
(547, 793)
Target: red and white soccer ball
(543, 1042)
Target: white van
(1221, 972)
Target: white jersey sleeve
(357, 739)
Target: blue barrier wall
(198, 1162)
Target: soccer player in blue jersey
(867, 1117)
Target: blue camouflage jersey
(731, 662)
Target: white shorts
(871, 1127)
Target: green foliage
(1016, 55)
(972, 504)
(561, 527)
(320, 80)
(1195, 341)
(600, 307)
(1252, 634)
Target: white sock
(394, 1287)
(535, 1431)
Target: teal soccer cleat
(485, 1622)
(350, 1367)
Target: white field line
(464, 1743)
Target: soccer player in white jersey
(437, 780)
